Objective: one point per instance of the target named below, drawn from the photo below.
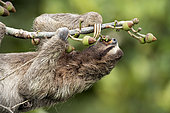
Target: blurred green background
(140, 83)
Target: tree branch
(124, 25)
(19, 33)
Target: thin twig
(76, 39)
(133, 35)
(2, 3)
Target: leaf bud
(150, 38)
(69, 48)
(135, 20)
(87, 40)
(9, 6)
(127, 25)
(4, 12)
(142, 40)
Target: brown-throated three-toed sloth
(50, 75)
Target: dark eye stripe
(106, 51)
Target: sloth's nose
(114, 41)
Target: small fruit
(127, 25)
(142, 40)
(9, 6)
(135, 20)
(69, 48)
(87, 40)
(139, 29)
(150, 38)
(4, 12)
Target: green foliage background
(140, 83)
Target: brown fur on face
(52, 75)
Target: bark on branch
(19, 33)
(124, 25)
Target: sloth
(51, 75)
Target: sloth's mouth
(114, 51)
(119, 54)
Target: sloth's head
(106, 49)
(105, 54)
(94, 62)
(109, 49)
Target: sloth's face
(110, 49)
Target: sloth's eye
(114, 41)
